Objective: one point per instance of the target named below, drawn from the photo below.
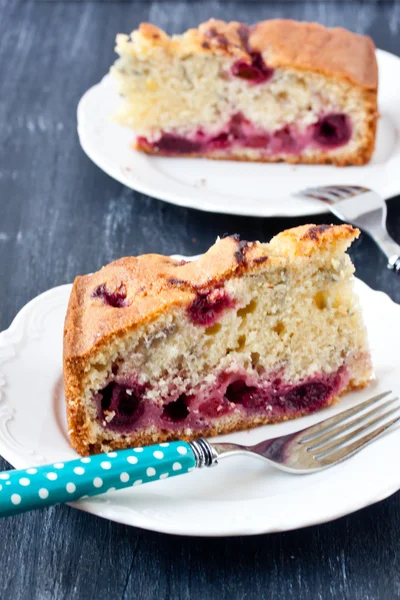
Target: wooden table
(61, 216)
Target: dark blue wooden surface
(61, 216)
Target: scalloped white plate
(239, 497)
(258, 190)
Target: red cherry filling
(177, 410)
(239, 392)
(332, 130)
(208, 307)
(312, 394)
(177, 144)
(256, 72)
(125, 401)
(116, 299)
(284, 141)
(221, 141)
(283, 399)
(257, 141)
(123, 407)
(239, 131)
(236, 391)
(216, 407)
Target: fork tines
(332, 193)
(332, 441)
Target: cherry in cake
(275, 91)
(250, 333)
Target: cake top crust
(132, 291)
(282, 43)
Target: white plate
(239, 497)
(258, 190)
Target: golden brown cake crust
(311, 46)
(283, 43)
(154, 283)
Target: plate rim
(138, 519)
(187, 200)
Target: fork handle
(388, 246)
(374, 223)
(37, 487)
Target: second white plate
(253, 189)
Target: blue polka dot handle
(37, 487)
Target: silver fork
(362, 207)
(319, 446)
(307, 451)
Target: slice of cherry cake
(250, 333)
(279, 90)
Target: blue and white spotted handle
(33, 488)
